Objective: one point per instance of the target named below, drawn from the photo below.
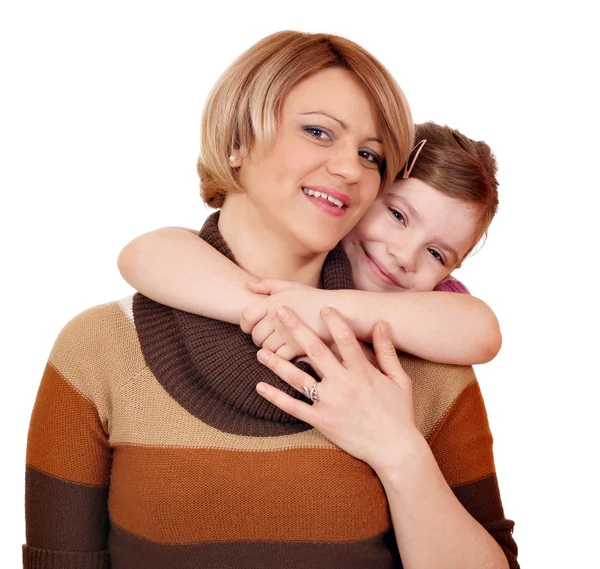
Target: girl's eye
(437, 256)
(398, 215)
(317, 132)
(370, 156)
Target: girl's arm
(442, 327)
(175, 267)
(172, 266)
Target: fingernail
(261, 388)
(263, 355)
(283, 313)
(325, 310)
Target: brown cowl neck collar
(210, 367)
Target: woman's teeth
(323, 196)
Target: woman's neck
(260, 250)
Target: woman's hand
(366, 411)
(260, 320)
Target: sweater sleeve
(68, 460)
(462, 445)
(450, 284)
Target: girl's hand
(365, 411)
(260, 320)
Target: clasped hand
(259, 318)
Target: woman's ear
(236, 158)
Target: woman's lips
(326, 206)
(378, 271)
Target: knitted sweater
(149, 448)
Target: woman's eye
(398, 215)
(437, 256)
(317, 132)
(370, 156)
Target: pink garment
(450, 284)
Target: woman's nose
(345, 163)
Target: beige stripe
(435, 388)
(97, 352)
(145, 414)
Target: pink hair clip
(418, 147)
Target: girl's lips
(378, 271)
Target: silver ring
(311, 392)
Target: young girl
(406, 246)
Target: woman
(148, 445)
(106, 450)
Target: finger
(386, 354)
(302, 359)
(289, 352)
(273, 342)
(268, 286)
(288, 404)
(316, 351)
(287, 371)
(262, 331)
(252, 314)
(344, 338)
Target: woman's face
(318, 178)
(411, 238)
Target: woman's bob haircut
(245, 103)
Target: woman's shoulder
(436, 389)
(99, 346)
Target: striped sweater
(149, 448)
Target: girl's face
(411, 238)
(321, 174)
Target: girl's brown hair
(459, 167)
(244, 104)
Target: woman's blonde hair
(246, 101)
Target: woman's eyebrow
(341, 123)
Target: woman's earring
(232, 158)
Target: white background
(100, 117)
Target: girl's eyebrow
(450, 250)
(411, 210)
(341, 123)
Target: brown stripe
(34, 558)
(482, 500)
(462, 441)
(185, 495)
(129, 551)
(66, 438)
(210, 367)
(64, 516)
